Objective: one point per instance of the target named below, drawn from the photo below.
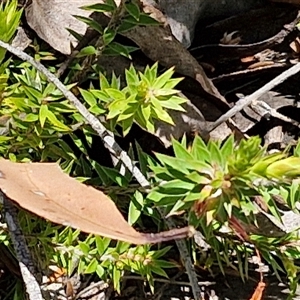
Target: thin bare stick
(105, 135)
(246, 101)
(93, 288)
(110, 142)
(23, 255)
(169, 281)
(263, 109)
(185, 257)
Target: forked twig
(246, 101)
(263, 109)
(109, 141)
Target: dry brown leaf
(50, 18)
(182, 16)
(21, 40)
(43, 189)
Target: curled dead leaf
(43, 189)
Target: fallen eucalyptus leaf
(43, 189)
(51, 18)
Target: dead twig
(246, 101)
(93, 289)
(23, 255)
(248, 49)
(109, 141)
(239, 74)
(105, 135)
(170, 281)
(186, 259)
(265, 110)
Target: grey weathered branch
(116, 150)
(246, 101)
(26, 264)
(105, 135)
